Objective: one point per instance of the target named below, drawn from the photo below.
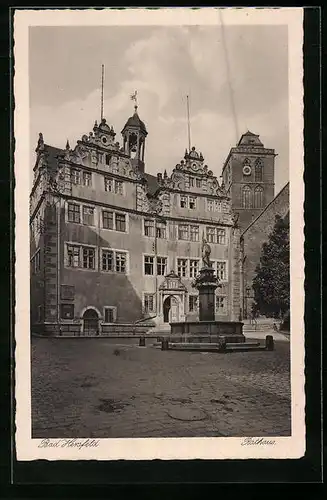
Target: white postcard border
(157, 448)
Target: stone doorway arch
(171, 309)
(91, 322)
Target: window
(74, 213)
(149, 227)
(198, 183)
(182, 267)
(73, 252)
(221, 270)
(108, 184)
(75, 176)
(183, 232)
(193, 303)
(221, 304)
(183, 202)
(120, 222)
(217, 206)
(211, 234)
(88, 216)
(192, 181)
(107, 219)
(192, 203)
(194, 233)
(36, 262)
(148, 302)
(109, 314)
(40, 313)
(87, 179)
(148, 265)
(88, 258)
(107, 159)
(258, 169)
(107, 260)
(161, 266)
(221, 236)
(194, 268)
(114, 261)
(161, 230)
(67, 311)
(120, 262)
(210, 205)
(258, 197)
(118, 187)
(246, 197)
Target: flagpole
(102, 79)
(188, 124)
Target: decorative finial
(67, 145)
(165, 174)
(40, 142)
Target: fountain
(207, 329)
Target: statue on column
(206, 251)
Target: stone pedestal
(206, 283)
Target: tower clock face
(246, 170)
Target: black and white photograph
(159, 251)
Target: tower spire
(102, 82)
(188, 123)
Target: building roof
(135, 122)
(266, 208)
(51, 156)
(249, 138)
(152, 183)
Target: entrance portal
(171, 309)
(91, 322)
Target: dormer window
(183, 202)
(192, 181)
(107, 159)
(75, 176)
(192, 203)
(198, 183)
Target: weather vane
(134, 98)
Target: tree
(271, 283)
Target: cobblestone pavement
(95, 388)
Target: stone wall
(255, 235)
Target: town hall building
(113, 246)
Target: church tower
(134, 134)
(248, 177)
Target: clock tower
(248, 177)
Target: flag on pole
(134, 96)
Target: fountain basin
(232, 331)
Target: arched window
(258, 197)
(246, 197)
(258, 168)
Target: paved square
(92, 387)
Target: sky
(244, 68)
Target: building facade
(113, 245)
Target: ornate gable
(191, 165)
